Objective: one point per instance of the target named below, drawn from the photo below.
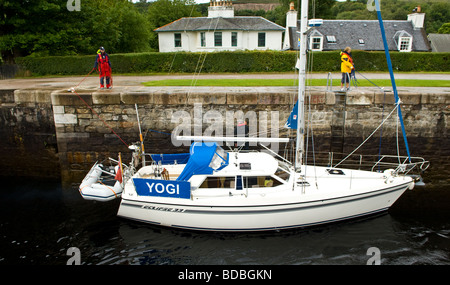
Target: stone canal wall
(56, 133)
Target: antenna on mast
(140, 136)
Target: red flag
(119, 175)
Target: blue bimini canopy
(204, 159)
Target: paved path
(135, 81)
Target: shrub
(236, 62)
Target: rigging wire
(397, 105)
(196, 75)
(93, 111)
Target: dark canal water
(40, 221)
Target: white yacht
(216, 189)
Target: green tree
(317, 9)
(40, 26)
(47, 27)
(444, 29)
(135, 32)
(163, 12)
(437, 15)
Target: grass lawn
(291, 82)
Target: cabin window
(261, 39)
(202, 39)
(283, 174)
(219, 159)
(234, 39)
(260, 181)
(218, 182)
(245, 165)
(218, 39)
(240, 182)
(177, 39)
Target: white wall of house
(191, 41)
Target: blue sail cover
(292, 121)
(204, 159)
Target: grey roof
(439, 42)
(211, 24)
(349, 32)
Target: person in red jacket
(104, 68)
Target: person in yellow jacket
(346, 67)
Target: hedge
(236, 62)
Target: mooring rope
(93, 111)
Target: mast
(299, 150)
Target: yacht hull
(240, 217)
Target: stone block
(6, 96)
(101, 98)
(139, 98)
(316, 97)
(65, 119)
(360, 98)
(435, 99)
(25, 96)
(169, 98)
(215, 98)
(330, 98)
(82, 110)
(71, 99)
(409, 98)
(43, 96)
(384, 97)
(271, 98)
(58, 109)
(242, 98)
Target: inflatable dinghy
(101, 183)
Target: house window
(202, 39)
(217, 39)
(261, 39)
(177, 38)
(316, 43)
(361, 41)
(234, 39)
(331, 39)
(403, 40)
(405, 44)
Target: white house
(401, 35)
(220, 31)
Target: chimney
(291, 24)
(220, 8)
(291, 16)
(417, 18)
